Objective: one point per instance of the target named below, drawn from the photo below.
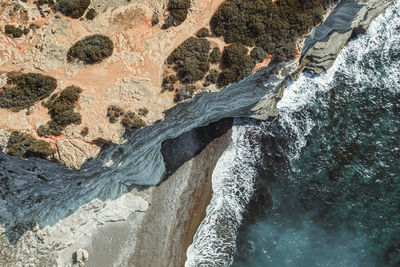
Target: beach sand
(161, 235)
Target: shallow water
(320, 184)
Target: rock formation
(66, 204)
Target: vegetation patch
(154, 19)
(178, 10)
(184, 93)
(272, 25)
(215, 55)
(258, 54)
(212, 77)
(92, 49)
(91, 14)
(168, 82)
(190, 59)
(13, 31)
(23, 90)
(44, 2)
(131, 121)
(143, 112)
(85, 131)
(61, 109)
(203, 32)
(236, 63)
(72, 8)
(113, 113)
(24, 145)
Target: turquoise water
(328, 191)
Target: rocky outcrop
(67, 204)
(347, 20)
(81, 256)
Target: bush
(178, 10)
(24, 145)
(154, 20)
(72, 8)
(168, 82)
(113, 113)
(236, 63)
(91, 14)
(258, 54)
(85, 131)
(44, 2)
(131, 121)
(143, 111)
(23, 90)
(203, 32)
(13, 31)
(184, 93)
(191, 59)
(92, 49)
(44, 131)
(212, 77)
(215, 55)
(61, 110)
(271, 25)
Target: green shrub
(24, 145)
(23, 90)
(26, 31)
(168, 82)
(92, 49)
(203, 32)
(178, 10)
(215, 55)
(271, 25)
(61, 110)
(131, 121)
(143, 111)
(13, 31)
(190, 59)
(258, 54)
(72, 8)
(85, 131)
(185, 92)
(113, 113)
(44, 2)
(236, 63)
(154, 20)
(226, 77)
(91, 14)
(212, 77)
(44, 131)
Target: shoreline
(161, 235)
(165, 241)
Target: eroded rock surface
(347, 20)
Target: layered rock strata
(42, 193)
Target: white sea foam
(234, 176)
(233, 183)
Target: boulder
(81, 256)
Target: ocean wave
(235, 173)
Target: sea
(318, 185)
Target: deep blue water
(328, 191)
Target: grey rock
(349, 18)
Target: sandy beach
(161, 235)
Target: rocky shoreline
(63, 200)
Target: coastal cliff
(40, 198)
